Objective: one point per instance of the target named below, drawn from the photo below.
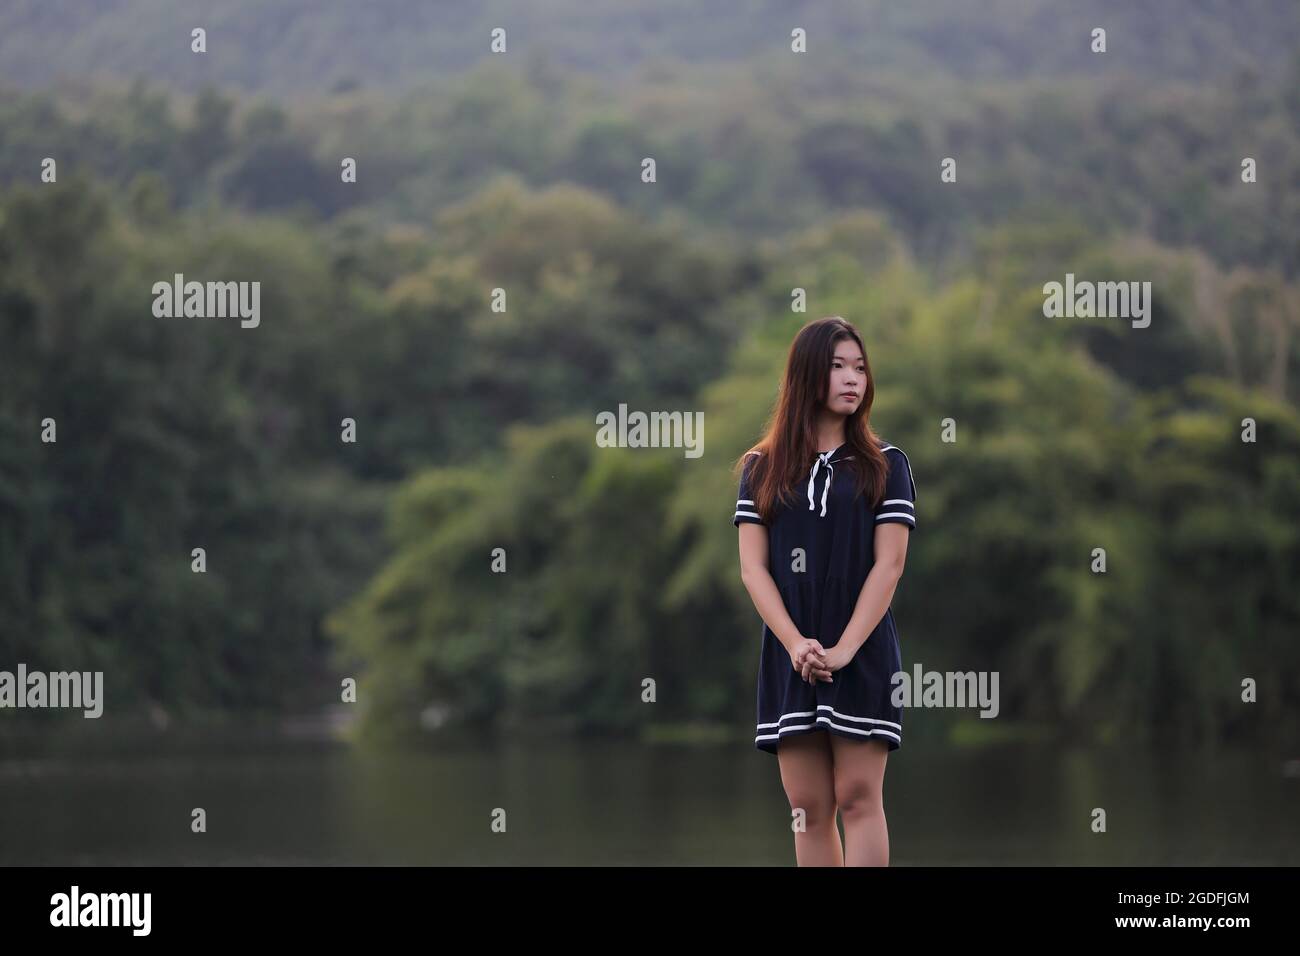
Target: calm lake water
(621, 803)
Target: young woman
(825, 509)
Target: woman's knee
(857, 795)
(813, 792)
(816, 803)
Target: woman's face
(848, 373)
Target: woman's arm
(878, 589)
(757, 577)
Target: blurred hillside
(311, 46)
(475, 427)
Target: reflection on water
(280, 801)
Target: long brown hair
(789, 443)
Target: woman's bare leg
(859, 770)
(809, 781)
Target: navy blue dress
(821, 549)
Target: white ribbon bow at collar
(822, 459)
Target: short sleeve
(899, 502)
(746, 510)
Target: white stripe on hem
(829, 723)
(797, 713)
(864, 720)
(897, 514)
(810, 713)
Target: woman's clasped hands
(815, 663)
